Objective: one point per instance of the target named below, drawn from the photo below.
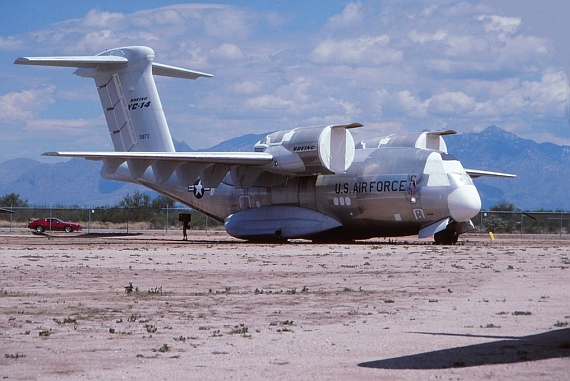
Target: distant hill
(75, 182)
(543, 170)
(243, 143)
(542, 173)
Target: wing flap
(211, 167)
(235, 158)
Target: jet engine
(308, 151)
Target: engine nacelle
(425, 140)
(310, 150)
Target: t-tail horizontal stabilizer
(126, 87)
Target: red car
(53, 224)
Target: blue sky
(395, 66)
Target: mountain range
(542, 173)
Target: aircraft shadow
(509, 350)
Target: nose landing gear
(446, 237)
(450, 234)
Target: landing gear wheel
(446, 237)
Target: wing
(211, 167)
(474, 173)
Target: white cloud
(10, 43)
(349, 16)
(364, 50)
(246, 88)
(523, 50)
(103, 20)
(500, 24)
(548, 95)
(450, 103)
(227, 52)
(269, 103)
(398, 67)
(406, 103)
(27, 104)
(229, 24)
(423, 38)
(96, 41)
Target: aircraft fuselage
(388, 191)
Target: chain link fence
(125, 219)
(114, 219)
(519, 222)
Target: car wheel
(68, 229)
(39, 229)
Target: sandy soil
(213, 308)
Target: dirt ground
(150, 306)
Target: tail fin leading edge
(128, 94)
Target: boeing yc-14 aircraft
(308, 182)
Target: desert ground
(151, 306)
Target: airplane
(311, 183)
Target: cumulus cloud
(423, 38)
(103, 20)
(10, 43)
(349, 16)
(230, 24)
(27, 104)
(227, 52)
(391, 65)
(406, 103)
(549, 94)
(450, 103)
(269, 103)
(96, 41)
(501, 24)
(247, 88)
(364, 50)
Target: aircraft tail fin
(128, 94)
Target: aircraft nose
(464, 203)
